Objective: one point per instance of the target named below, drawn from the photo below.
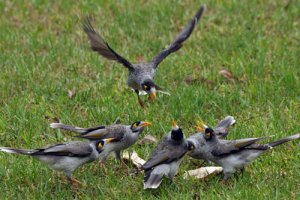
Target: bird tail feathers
(17, 151)
(68, 127)
(152, 180)
(284, 140)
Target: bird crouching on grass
(124, 135)
(166, 158)
(197, 139)
(65, 157)
(233, 154)
(141, 75)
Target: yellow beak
(108, 140)
(200, 125)
(174, 123)
(144, 124)
(152, 96)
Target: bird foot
(75, 183)
(141, 102)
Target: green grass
(45, 53)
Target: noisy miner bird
(124, 135)
(166, 158)
(141, 75)
(232, 154)
(65, 157)
(221, 131)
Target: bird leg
(226, 177)
(118, 155)
(75, 183)
(141, 102)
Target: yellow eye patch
(145, 87)
(135, 125)
(100, 145)
(208, 134)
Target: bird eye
(145, 87)
(135, 125)
(100, 145)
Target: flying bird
(141, 75)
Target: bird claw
(141, 102)
(75, 183)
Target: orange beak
(174, 123)
(144, 124)
(200, 125)
(152, 96)
(108, 140)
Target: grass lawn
(45, 53)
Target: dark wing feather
(101, 46)
(164, 153)
(115, 131)
(229, 147)
(71, 149)
(221, 130)
(177, 43)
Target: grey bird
(232, 154)
(141, 75)
(124, 135)
(221, 131)
(65, 157)
(166, 158)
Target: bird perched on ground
(65, 157)
(141, 75)
(124, 135)
(166, 158)
(221, 131)
(232, 154)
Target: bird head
(150, 87)
(190, 146)
(207, 132)
(139, 126)
(101, 143)
(176, 133)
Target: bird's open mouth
(200, 125)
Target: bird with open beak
(197, 139)
(166, 158)
(141, 75)
(231, 154)
(124, 135)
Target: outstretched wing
(101, 46)
(222, 128)
(71, 149)
(183, 35)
